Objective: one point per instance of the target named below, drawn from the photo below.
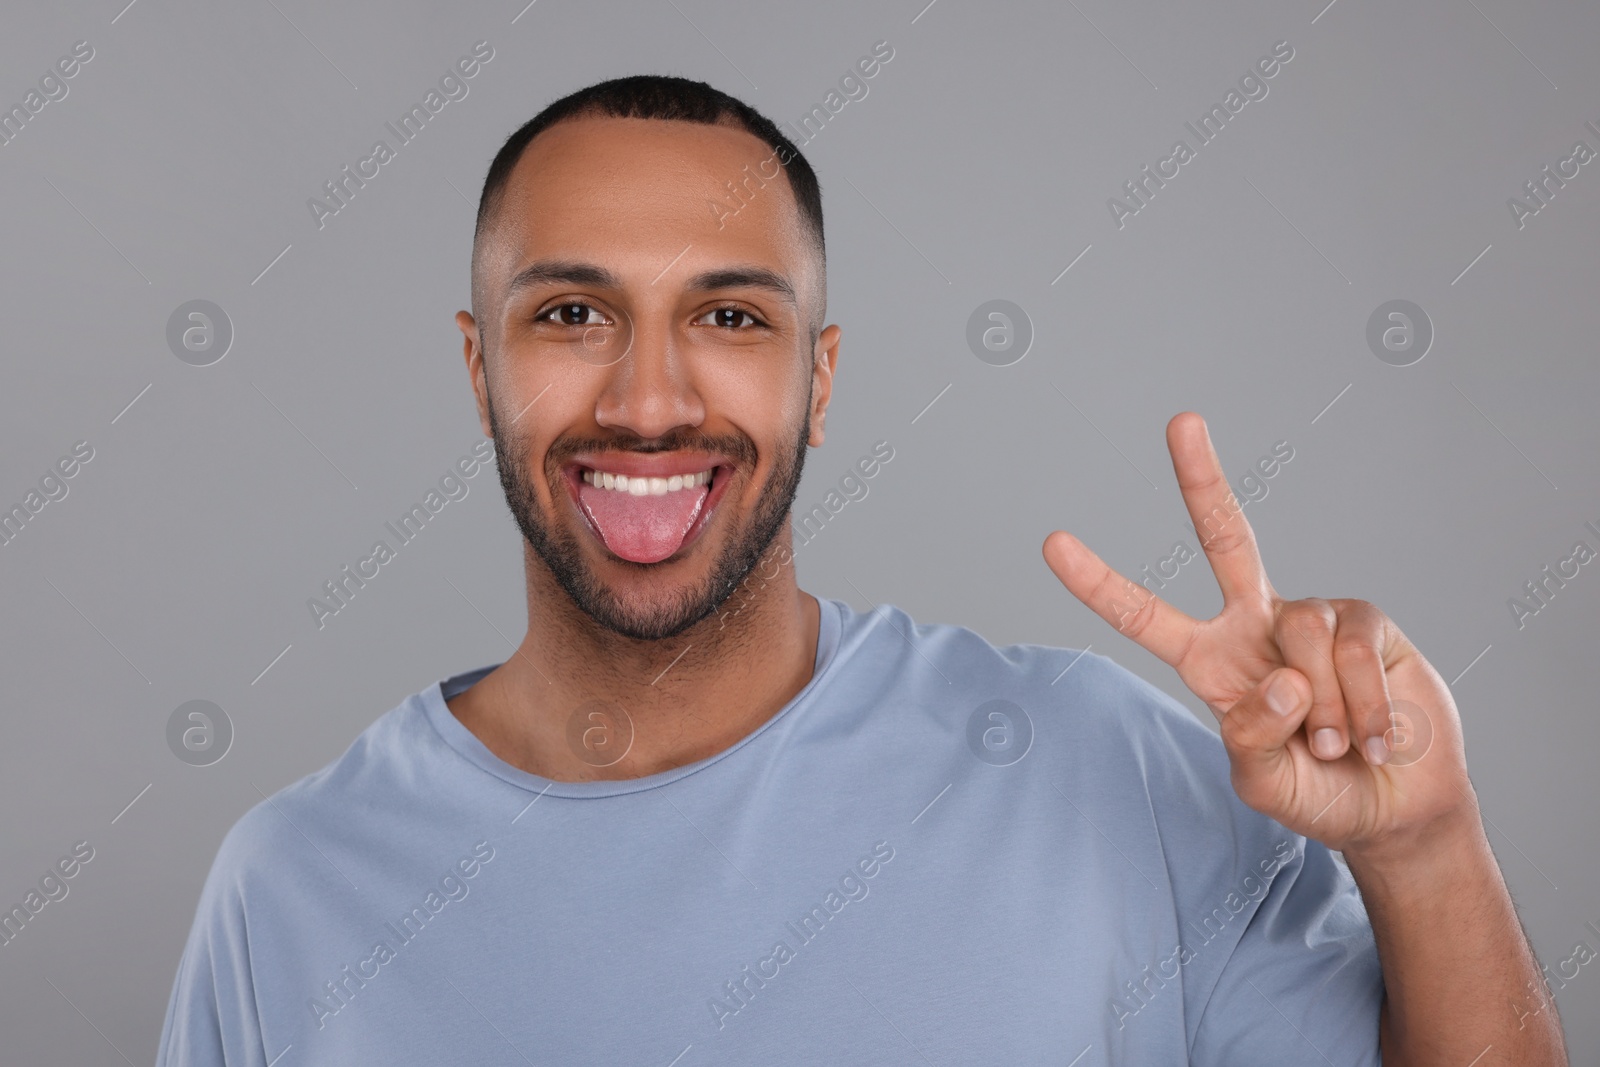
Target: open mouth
(648, 508)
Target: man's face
(650, 385)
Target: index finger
(1136, 612)
(1218, 517)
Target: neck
(563, 704)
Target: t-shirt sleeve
(1275, 949)
(212, 1019)
(1302, 984)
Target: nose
(650, 390)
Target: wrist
(1444, 851)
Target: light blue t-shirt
(939, 852)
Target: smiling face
(649, 365)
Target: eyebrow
(743, 277)
(561, 272)
(568, 272)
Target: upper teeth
(641, 486)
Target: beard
(667, 615)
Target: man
(703, 817)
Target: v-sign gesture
(1334, 723)
(1336, 727)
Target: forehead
(635, 193)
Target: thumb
(1260, 723)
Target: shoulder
(1081, 687)
(1125, 748)
(273, 832)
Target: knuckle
(1304, 621)
(1327, 705)
(1326, 715)
(1360, 613)
(1307, 611)
(1133, 607)
(1225, 536)
(1107, 585)
(1355, 650)
(1135, 623)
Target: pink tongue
(644, 529)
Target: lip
(652, 465)
(648, 464)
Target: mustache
(736, 447)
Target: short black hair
(660, 96)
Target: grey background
(977, 168)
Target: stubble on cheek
(646, 609)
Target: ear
(824, 358)
(472, 349)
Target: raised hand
(1334, 723)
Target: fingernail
(1377, 751)
(1325, 743)
(1281, 695)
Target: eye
(728, 317)
(572, 313)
